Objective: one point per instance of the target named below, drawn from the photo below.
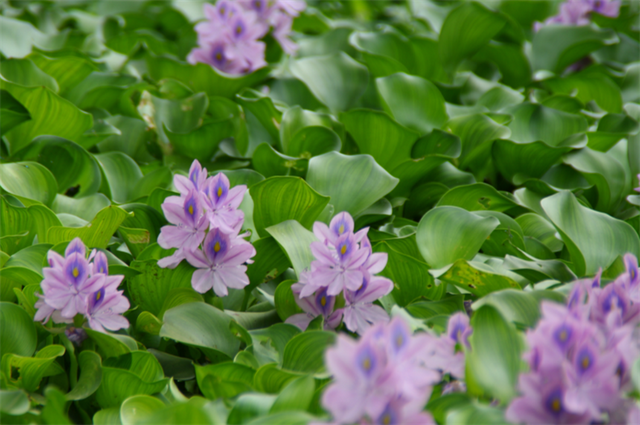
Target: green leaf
(413, 101)
(150, 289)
(446, 234)
(72, 166)
(380, 136)
(494, 358)
(477, 133)
(354, 183)
(479, 197)
(202, 77)
(14, 402)
(68, 71)
(138, 407)
(226, 379)
(12, 113)
(27, 372)
(18, 332)
(593, 239)
(478, 278)
(336, 80)
(270, 163)
(249, 406)
(90, 376)
(30, 180)
(278, 199)
(295, 241)
(554, 47)
(297, 395)
(95, 235)
(269, 262)
(111, 344)
(86, 208)
(411, 278)
(25, 73)
(533, 122)
(465, 31)
(203, 326)
(589, 85)
(129, 374)
(446, 306)
(304, 352)
(50, 114)
(285, 300)
(121, 174)
(193, 411)
(20, 36)
(518, 307)
(292, 137)
(385, 53)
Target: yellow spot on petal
(218, 56)
(386, 420)
(191, 209)
(563, 336)
(366, 364)
(75, 272)
(555, 405)
(399, 340)
(238, 29)
(219, 192)
(341, 229)
(585, 362)
(98, 295)
(343, 249)
(216, 247)
(323, 301)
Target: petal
(322, 253)
(300, 320)
(377, 288)
(377, 262)
(202, 280)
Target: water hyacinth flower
(221, 263)
(446, 352)
(380, 378)
(345, 264)
(577, 12)
(75, 285)
(205, 225)
(313, 306)
(580, 355)
(229, 39)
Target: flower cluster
(77, 285)
(344, 263)
(229, 39)
(205, 226)
(577, 12)
(580, 355)
(387, 376)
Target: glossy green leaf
(465, 31)
(478, 278)
(446, 234)
(121, 174)
(336, 80)
(12, 113)
(593, 239)
(90, 376)
(412, 101)
(295, 396)
(203, 326)
(494, 358)
(270, 261)
(378, 135)
(149, 290)
(304, 352)
(27, 372)
(295, 241)
(95, 235)
(30, 180)
(137, 407)
(18, 332)
(14, 402)
(478, 197)
(278, 199)
(353, 183)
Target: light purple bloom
(221, 263)
(337, 270)
(577, 12)
(195, 182)
(187, 231)
(313, 306)
(77, 285)
(445, 353)
(105, 308)
(222, 202)
(359, 311)
(67, 287)
(379, 378)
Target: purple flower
(577, 12)
(542, 402)
(66, 286)
(105, 308)
(612, 304)
(222, 203)
(337, 270)
(359, 311)
(77, 285)
(445, 353)
(188, 227)
(316, 305)
(380, 378)
(195, 182)
(221, 263)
